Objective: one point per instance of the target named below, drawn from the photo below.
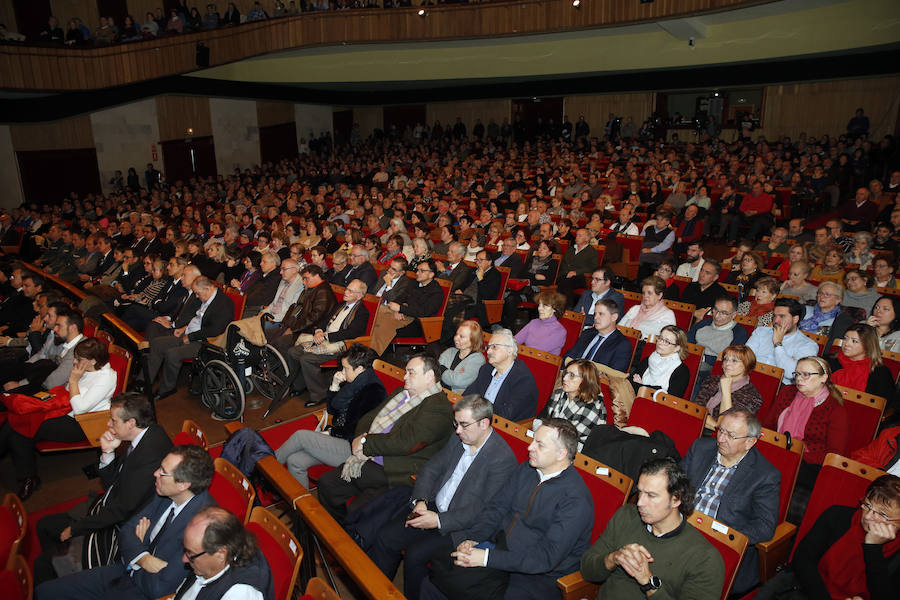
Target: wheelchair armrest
(431, 328)
(774, 552)
(573, 587)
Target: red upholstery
(183, 438)
(787, 463)
(228, 497)
(892, 361)
(515, 436)
(631, 299)
(544, 366)
(238, 298)
(730, 556)
(9, 533)
(11, 586)
(684, 313)
(662, 414)
(120, 362)
(574, 323)
(865, 421)
(681, 282)
(31, 547)
(607, 398)
(280, 563)
(608, 498)
(766, 378)
(51, 445)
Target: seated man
(347, 321)
(16, 351)
(850, 551)
(224, 559)
(52, 366)
(601, 287)
(703, 292)
(717, 332)
(138, 316)
(17, 310)
(400, 317)
(508, 257)
(579, 259)
(131, 450)
(448, 496)
(181, 313)
(777, 243)
(289, 290)
(151, 542)
(212, 311)
(359, 267)
(532, 531)
(506, 381)
(394, 283)
(694, 255)
(736, 485)
(783, 344)
(392, 441)
(262, 292)
(823, 312)
(657, 245)
(650, 547)
(603, 343)
(309, 313)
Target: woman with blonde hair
(730, 388)
(797, 285)
(833, 268)
(858, 365)
(797, 252)
(579, 400)
(460, 364)
(763, 302)
(664, 368)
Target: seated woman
(460, 364)
(154, 287)
(849, 552)
(666, 272)
(651, 315)
(310, 236)
(885, 318)
(749, 272)
(884, 273)
(860, 252)
(475, 245)
(664, 368)
(797, 285)
(233, 269)
(732, 387)
(545, 332)
(857, 293)
(820, 316)
(522, 240)
(354, 391)
(539, 270)
(251, 275)
(797, 252)
(579, 400)
(763, 303)
(858, 365)
(421, 253)
(90, 388)
(832, 270)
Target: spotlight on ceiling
(576, 3)
(422, 12)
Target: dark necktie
(162, 530)
(592, 347)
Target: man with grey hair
(777, 242)
(736, 485)
(827, 307)
(448, 495)
(360, 268)
(505, 380)
(262, 292)
(287, 293)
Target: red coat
(826, 429)
(880, 452)
(26, 413)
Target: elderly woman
(832, 270)
(884, 273)
(475, 245)
(494, 235)
(744, 278)
(732, 387)
(522, 240)
(252, 273)
(546, 332)
(158, 283)
(310, 236)
(820, 316)
(885, 318)
(797, 285)
(860, 252)
(651, 315)
(858, 365)
(797, 252)
(460, 364)
(857, 294)
(664, 368)
(540, 270)
(421, 253)
(579, 400)
(763, 302)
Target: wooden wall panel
(817, 107)
(274, 113)
(596, 108)
(446, 112)
(8, 16)
(67, 134)
(85, 9)
(178, 113)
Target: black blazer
(461, 277)
(487, 474)
(263, 291)
(398, 291)
(365, 273)
(422, 301)
(353, 326)
(170, 299)
(515, 264)
(130, 487)
(218, 315)
(615, 351)
(517, 398)
(749, 503)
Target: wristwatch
(654, 584)
(777, 344)
(415, 501)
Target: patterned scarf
(812, 323)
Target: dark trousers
(420, 545)
(759, 224)
(567, 286)
(110, 582)
(334, 492)
(48, 530)
(155, 330)
(138, 316)
(306, 372)
(167, 353)
(59, 429)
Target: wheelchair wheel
(271, 372)
(222, 390)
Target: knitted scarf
(647, 314)
(853, 374)
(659, 369)
(795, 416)
(812, 323)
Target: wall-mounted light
(576, 3)
(422, 12)
(190, 131)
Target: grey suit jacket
(486, 475)
(60, 375)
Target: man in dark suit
(152, 243)
(449, 494)
(579, 259)
(347, 321)
(505, 380)
(401, 317)
(360, 268)
(17, 311)
(167, 302)
(603, 343)
(394, 283)
(151, 542)
(103, 247)
(460, 275)
(736, 485)
(262, 292)
(182, 313)
(211, 311)
(601, 287)
(132, 449)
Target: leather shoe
(162, 395)
(311, 403)
(28, 487)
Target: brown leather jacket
(312, 310)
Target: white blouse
(97, 388)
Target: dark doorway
(529, 110)
(31, 17)
(183, 159)
(342, 124)
(401, 117)
(277, 142)
(117, 9)
(48, 176)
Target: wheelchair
(225, 377)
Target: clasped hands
(634, 560)
(467, 555)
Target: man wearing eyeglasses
(717, 332)
(601, 287)
(508, 257)
(783, 344)
(394, 282)
(400, 317)
(448, 495)
(288, 291)
(736, 485)
(506, 381)
(151, 543)
(360, 268)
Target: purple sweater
(548, 335)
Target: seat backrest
(232, 490)
(17, 579)
(730, 543)
(634, 336)
(318, 589)
(765, 378)
(238, 298)
(609, 489)
(840, 481)
(280, 548)
(544, 367)
(338, 292)
(104, 337)
(892, 361)
(684, 313)
(191, 434)
(773, 446)
(574, 323)
(13, 524)
(748, 322)
(631, 299)
(819, 339)
(864, 412)
(370, 301)
(515, 434)
(607, 396)
(504, 279)
(681, 282)
(90, 327)
(390, 376)
(120, 362)
(679, 419)
(691, 361)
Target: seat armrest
(774, 552)
(574, 587)
(494, 310)
(431, 328)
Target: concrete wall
(313, 118)
(10, 182)
(235, 133)
(124, 137)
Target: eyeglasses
(192, 557)
(805, 374)
(489, 346)
(461, 424)
(866, 507)
(726, 313)
(731, 359)
(571, 375)
(665, 342)
(727, 434)
(826, 294)
(424, 271)
(598, 279)
(162, 473)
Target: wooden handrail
(62, 68)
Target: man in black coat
(360, 268)
(17, 311)
(508, 257)
(132, 449)
(401, 317)
(516, 397)
(168, 301)
(262, 292)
